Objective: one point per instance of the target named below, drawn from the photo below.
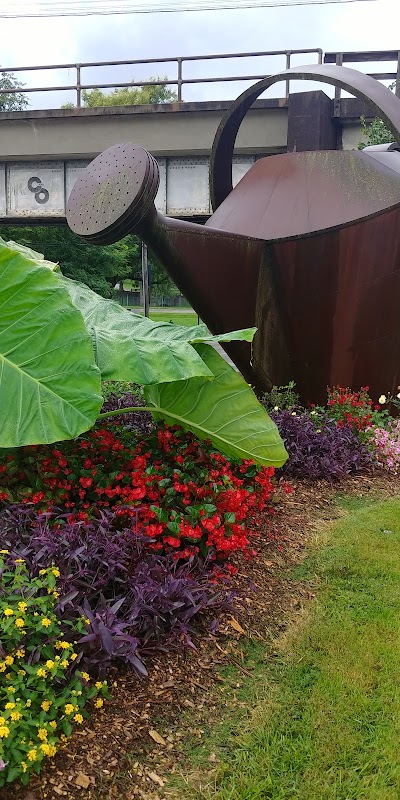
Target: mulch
(128, 748)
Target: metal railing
(370, 56)
(181, 80)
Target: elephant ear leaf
(129, 347)
(50, 387)
(225, 411)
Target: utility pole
(145, 280)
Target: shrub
(188, 497)
(319, 449)
(42, 694)
(385, 444)
(132, 601)
(354, 409)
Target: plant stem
(126, 411)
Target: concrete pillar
(311, 125)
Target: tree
(99, 267)
(137, 95)
(14, 101)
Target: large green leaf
(50, 387)
(134, 348)
(224, 410)
(129, 347)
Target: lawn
(323, 717)
(181, 317)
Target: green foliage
(224, 410)
(41, 694)
(126, 96)
(374, 133)
(58, 338)
(14, 101)
(281, 397)
(100, 268)
(50, 387)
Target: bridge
(43, 151)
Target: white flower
(382, 399)
(294, 414)
(398, 395)
(313, 412)
(276, 408)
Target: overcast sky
(353, 26)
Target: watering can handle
(385, 104)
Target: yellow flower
(20, 653)
(78, 718)
(42, 734)
(19, 561)
(2, 721)
(64, 663)
(9, 705)
(4, 731)
(73, 656)
(62, 645)
(56, 594)
(19, 623)
(46, 705)
(24, 766)
(22, 606)
(43, 572)
(8, 612)
(10, 689)
(41, 673)
(57, 658)
(50, 664)
(3, 666)
(32, 755)
(85, 676)
(15, 715)
(69, 708)
(48, 749)
(46, 622)
(98, 685)
(21, 672)
(28, 703)
(9, 660)
(8, 676)
(4, 552)
(56, 572)
(86, 621)
(99, 702)
(53, 724)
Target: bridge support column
(310, 123)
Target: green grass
(170, 315)
(319, 719)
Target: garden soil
(131, 746)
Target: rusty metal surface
(385, 104)
(299, 194)
(306, 248)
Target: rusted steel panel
(306, 247)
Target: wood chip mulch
(129, 748)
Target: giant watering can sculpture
(306, 247)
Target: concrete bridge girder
(43, 152)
